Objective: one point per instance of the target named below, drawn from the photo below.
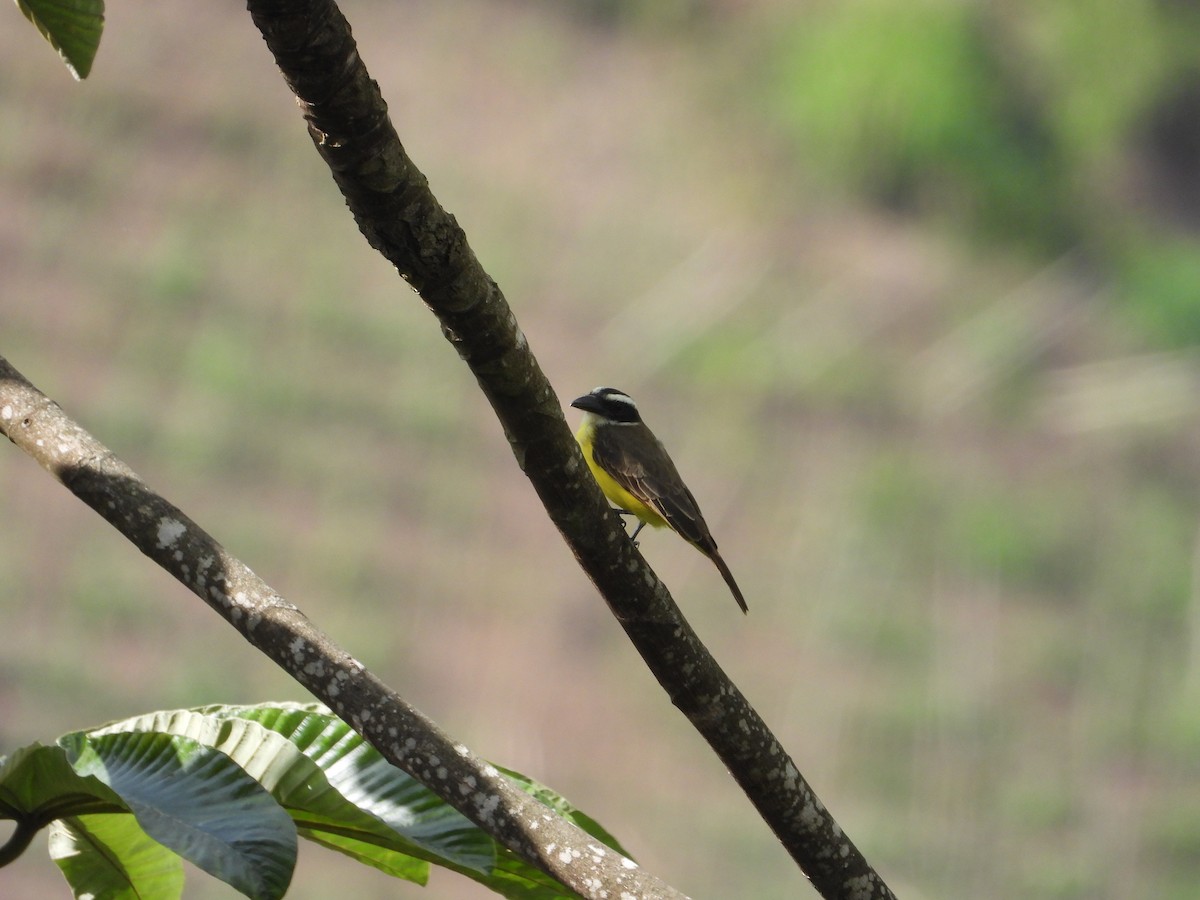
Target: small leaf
(72, 27)
(564, 808)
(108, 855)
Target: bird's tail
(728, 576)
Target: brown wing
(637, 461)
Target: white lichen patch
(566, 856)
(6, 412)
(791, 776)
(628, 863)
(486, 804)
(810, 816)
(315, 668)
(859, 888)
(169, 532)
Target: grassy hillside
(954, 470)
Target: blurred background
(911, 289)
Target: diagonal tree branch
(394, 209)
(404, 736)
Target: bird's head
(609, 405)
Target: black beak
(588, 403)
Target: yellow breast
(619, 497)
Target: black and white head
(609, 405)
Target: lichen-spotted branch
(404, 736)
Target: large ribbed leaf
(196, 801)
(299, 785)
(72, 27)
(217, 784)
(357, 769)
(108, 855)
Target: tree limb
(391, 202)
(404, 736)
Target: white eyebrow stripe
(618, 397)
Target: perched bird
(636, 473)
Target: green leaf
(38, 784)
(367, 779)
(356, 770)
(299, 785)
(108, 855)
(72, 27)
(213, 784)
(370, 851)
(196, 801)
(565, 809)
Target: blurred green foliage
(1159, 281)
(1028, 120)
(973, 550)
(912, 104)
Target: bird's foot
(623, 513)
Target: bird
(637, 475)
